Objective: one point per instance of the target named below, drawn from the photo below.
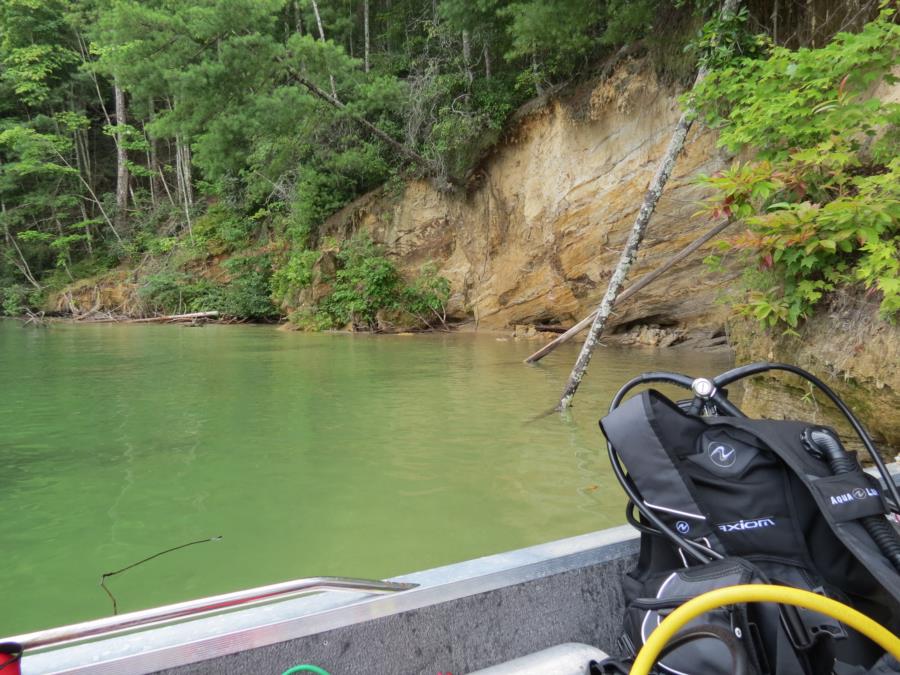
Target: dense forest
(167, 135)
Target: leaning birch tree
(648, 206)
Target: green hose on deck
(306, 668)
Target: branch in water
(106, 575)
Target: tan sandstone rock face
(857, 355)
(536, 239)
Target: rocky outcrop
(857, 354)
(537, 234)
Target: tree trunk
(183, 175)
(177, 317)
(487, 60)
(22, 263)
(90, 190)
(366, 33)
(121, 157)
(153, 160)
(298, 24)
(535, 73)
(467, 56)
(651, 198)
(315, 7)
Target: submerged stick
(640, 284)
(107, 575)
(651, 198)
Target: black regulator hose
(840, 461)
(741, 372)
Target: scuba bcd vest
(737, 500)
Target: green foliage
(627, 20)
(308, 319)
(796, 99)
(35, 59)
(365, 283)
(245, 295)
(426, 297)
(248, 294)
(722, 39)
(560, 28)
(213, 105)
(368, 285)
(222, 230)
(293, 276)
(822, 206)
(15, 299)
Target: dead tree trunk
(366, 34)
(315, 7)
(183, 176)
(171, 318)
(651, 198)
(121, 157)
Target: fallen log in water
(175, 318)
(643, 282)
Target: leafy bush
(169, 292)
(14, 299)
(426, 297)
(245, 296)
(822, 204)
(248, 294)
(294, 275)
(367, 284)
(222, 229)
(309, 320)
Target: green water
(311, 455)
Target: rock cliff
(537, 234)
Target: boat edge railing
(190, 609)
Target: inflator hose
(783, 595)
(840, 461)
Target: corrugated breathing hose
(840, 461)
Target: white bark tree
(366, 34)
(315, 7)
(651, 198)
(122, 175)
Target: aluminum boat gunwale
(457, 618)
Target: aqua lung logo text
(683, 526)
(743, 525)
(721, 455)
(854, 496)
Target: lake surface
(367, 456)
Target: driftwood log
(640, 284)
(174, 318)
